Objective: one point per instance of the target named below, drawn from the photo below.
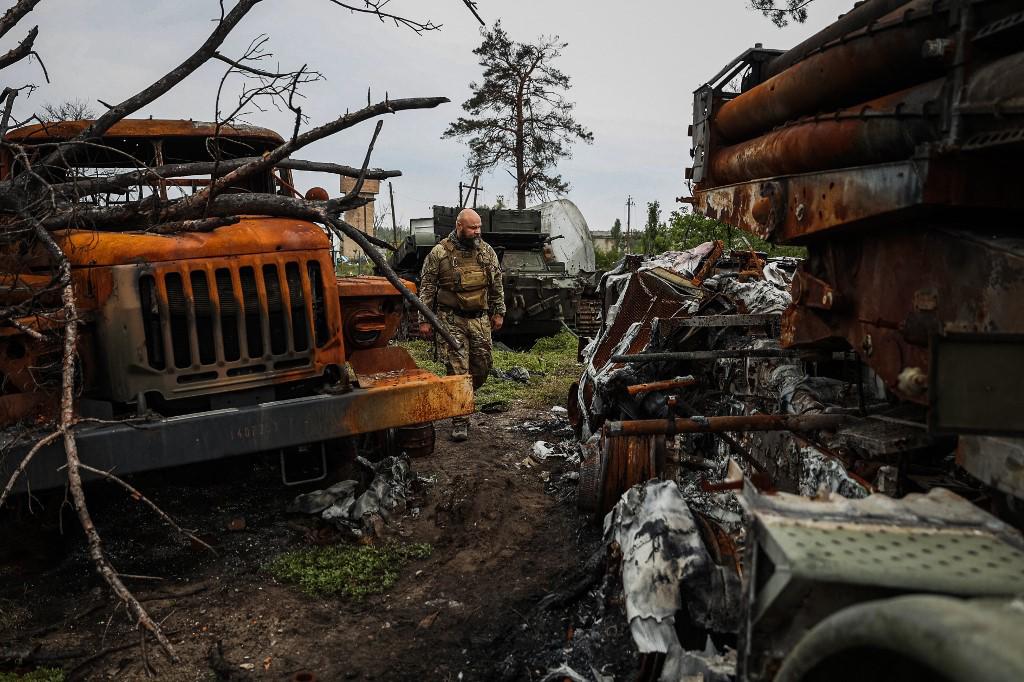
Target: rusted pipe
(668, 384)
(885, 129)
(857, 18)
(879, 59)
(710, 355)
(742, 423)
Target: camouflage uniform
(471, 330)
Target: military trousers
(474, 337)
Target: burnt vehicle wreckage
(809, 469)
(203, 345)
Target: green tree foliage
(654, 229)
(617, 235)
(687, 230)
(518, 116)
(782, 12)
(604, 260)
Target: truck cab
(199, 345)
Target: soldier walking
(461, 283)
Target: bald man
(461, 283)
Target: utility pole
(472, 188)
(629, 205)
(394, 223)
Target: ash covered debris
(713, 318)
(693, 418)
(357, 511)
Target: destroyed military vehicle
(837, 443)
(201, 345)
(541, 296)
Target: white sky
(633, 66)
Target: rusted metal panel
(372, 310)
(790, 209)
(252, 235)
(145, 128)
(369, 286)
(899, 292)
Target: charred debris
(810, 470)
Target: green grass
(551, 363)
(346, 570)
(37, 675)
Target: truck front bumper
(392, 392)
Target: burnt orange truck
(197, 346)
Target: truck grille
(224, 319)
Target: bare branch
(168, 81)
(23, 50)
(472, 8)
(145, 500)
(67, 416)
(271, 158)
(15, 14)
(23, 464)
(358, 186)
(110, 183)
(374, 7)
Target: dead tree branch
(23, 50)
(270, 159)
(149, 503)
(67, 416)
(25, 461)
(472, 8)
(374, 7)
(86, 187)
(168, 81)
(15, 14)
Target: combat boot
(460, 430)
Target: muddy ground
(504, 536)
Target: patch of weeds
(551, 363)
(37, 675)
(346, 570)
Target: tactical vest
(463, 278)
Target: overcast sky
(633, 66)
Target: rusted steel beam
(668, 384)
(885, 129)
(880, 58)
(742, 423)
(709, 355)
(790, 209)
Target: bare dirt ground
(503, 537)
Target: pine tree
(518, 116)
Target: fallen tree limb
(145, 500)
(90, 186)
(67, 418)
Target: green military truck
(541, 296)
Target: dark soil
(503, 537)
